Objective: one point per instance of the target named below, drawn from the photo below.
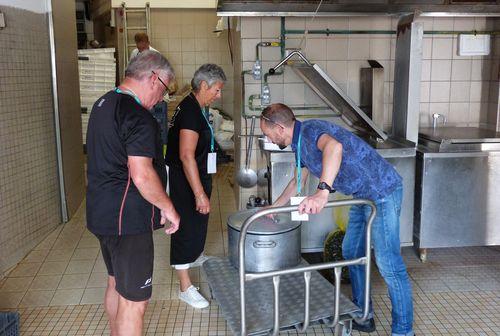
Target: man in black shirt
(126, 197)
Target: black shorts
(129, 259)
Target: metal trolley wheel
(345, 328)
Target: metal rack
(301, 305)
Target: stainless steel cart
(289, 298)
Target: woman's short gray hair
(209, 73)
(141, 65)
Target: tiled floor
(58, 288)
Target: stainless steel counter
(457, 200)
(281, 167)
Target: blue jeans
(386, 245)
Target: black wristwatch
(325, 186)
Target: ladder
(126, 28)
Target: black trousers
(189, 241)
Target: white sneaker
(193, 298)
(198, 262)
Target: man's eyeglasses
(166, 87)
(272, 122)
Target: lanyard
(299, 168)
(212, 141)
(130, 93)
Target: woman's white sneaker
(193, 298)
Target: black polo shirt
(120, 127)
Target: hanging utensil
(246, 176)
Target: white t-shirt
(135, 52)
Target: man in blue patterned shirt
(344, 162)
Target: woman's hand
(202, 204)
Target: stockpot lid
(264, 225)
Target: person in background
(142, 43)
(126, 197)
(344, 162)
(191, 160)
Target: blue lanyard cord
(212, 139)
(299, 168)
(118, 90)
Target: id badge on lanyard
(298, 199)
(212, 156)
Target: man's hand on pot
(315, 203)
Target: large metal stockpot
(271, 244)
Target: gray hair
(209, 73)
(147, 61)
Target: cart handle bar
(275, 274)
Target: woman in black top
(191, 158)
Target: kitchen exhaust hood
(356, 8)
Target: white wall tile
(425, 88)
(428, 22)
(424, 115)
(295, 23)
(443, 23)
(338, 23)
(427, 47)
(277, 95)
(316, 50)
(201, 44)
(270, 54)
(441, 108)
(188, 44)
(459, 113)
(440, 70)
(359, 48)
(293, 94)
(337, 48)
(250, 27)
(189, 58)
(271, 27)
(464, 23)
(380, 49)
(248, 49)
(481, 70)
(440, 92)
(426, 70)
(442, 48)
(337, 70)
(479, 91)
(174, 31)
(461, 70)
(460, 92)
(174, 45)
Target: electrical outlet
(2, 21)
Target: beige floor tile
(99, 266)
(25, 269)
(36, 256)
(85, 254)
(80, 266)
(35, 298)
(45, 282)
(88, 242)
(10, 299)
(16, 284)
(67, 297)
(59, 254)
(93, 296)
(97, 280)
(53, 268)
(72, 281)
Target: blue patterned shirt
(363, 172)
